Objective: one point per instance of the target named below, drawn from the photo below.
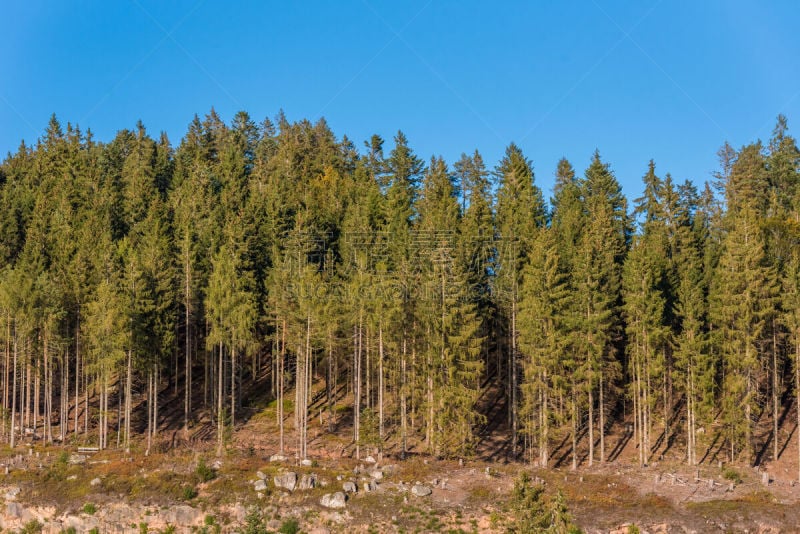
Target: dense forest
(392, 293)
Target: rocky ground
(185, 490)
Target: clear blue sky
(668, 80)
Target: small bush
(32, 527)
(203, 472)
(732, 474)
(89, 508)
(189, 493)
(70, 530)
(254, 523)
(290, 526)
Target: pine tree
(597, 273)
(743, 298)
(520, 211)
(544, 339)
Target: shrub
(290, 526)
(732, 474)
(203, 472)
(89, 508)
(189, 493)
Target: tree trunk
(380, 383)
(281, 371)
(220, 417)
(187, 371)
(775, 392)
(77, 370)
(602, 410)
(13, 436)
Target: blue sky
(668, 80)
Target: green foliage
(89, 508)
(422, 284)
(255, 522)
(189, 493)
(32, 527)
(203, 472)
(533, 511)
(729, 473)
(289, 526)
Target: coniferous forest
(371, 292)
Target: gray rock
(369, 460)
(260, 485)
(307, 482)
(334, 500)
(421, 491)
(11, 493)
(277, 458)
(182, 515)
(95, 482)
(76, 459)
(389, 469)
(377, 474)
(369, 486)
(349, 487)
(261, 475)
(306, 463)
(286, 481)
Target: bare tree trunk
(233, 383)
(63, 420)
(512, 369)
(797, 393)
(591, 424)
(306, 387)
(403, 400)
(357, 389)
(380, 384)
(220, 417)
(187, 371)
(281, 371)
(602, 409)
(574, 429)
(13, 436)
(775, 392)
(77, 370)
(128, 402)
(149, 410)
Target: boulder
(369, 460)
(76, 459)
(95, 482)
(286, 481)
(377, 474)
(334, 500)
(349, 487)
(306, 463)
(11, 493)
(260, 485)
(421, 491)
(182, 515)
(261, 475)
(307, 482)
(277, 458)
